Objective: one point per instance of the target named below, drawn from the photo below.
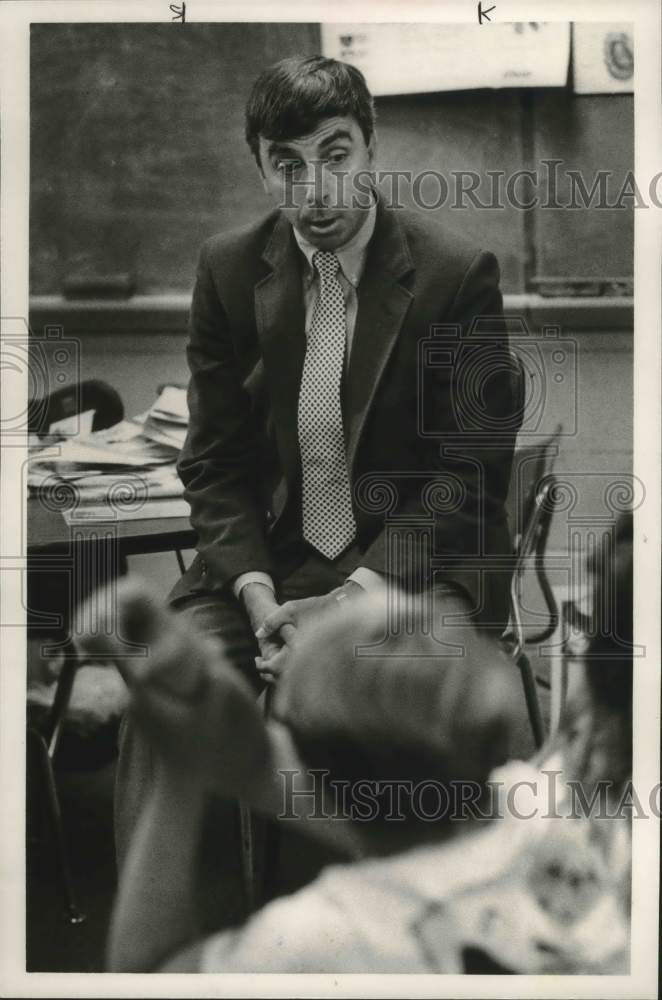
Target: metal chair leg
(74, 915)
(532, 703)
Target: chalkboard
(588, 134)
(445, 134)
(137, 154)
(137, 148)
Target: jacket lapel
(280, 319)
(383, 305)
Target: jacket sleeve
(471, 415)
(219, 463)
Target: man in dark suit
(249, 464)
(327, 453)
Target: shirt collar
(352, 255)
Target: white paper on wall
(420, 58)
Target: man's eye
(288, 166)
(338, 156)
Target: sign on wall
(420, 58)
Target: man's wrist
(251, 576)
(259, 601)
(257, 594)
(255, 587)
(348, 590)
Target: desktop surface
(48, 531)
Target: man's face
(319, 181)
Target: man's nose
(318, 190)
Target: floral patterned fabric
(534, 891)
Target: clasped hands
(277, 626)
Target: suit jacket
(428, 413)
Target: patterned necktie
(328, 520)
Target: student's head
(597, 729)
(402, 709)
(608, 657)
(310, 124)
(609, 653)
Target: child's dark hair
(609, 654)
(291, 97)
(604, 751)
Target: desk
(90, 553)
(78, 558)
(49, 534)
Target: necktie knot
(326, 264)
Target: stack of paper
(123, 446)
(122, 466)
(120, 486)
(166, 422)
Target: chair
(532, 502)
(91, 394)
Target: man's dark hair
(291, 97)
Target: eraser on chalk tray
(98, 286)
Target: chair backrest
(518, 387)
(530, 508)
(532, 466)
(92, 394)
